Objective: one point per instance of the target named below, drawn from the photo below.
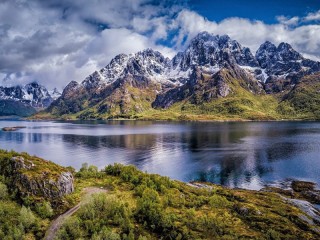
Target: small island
(12, 129)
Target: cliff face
(36, 178)
(43, 185)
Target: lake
(234, 154)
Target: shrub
(217, 201)
(44, 209)
(273, 235)
(71, 229)
(149, 208)
(284, 108)
(3, 191)
(87, 171)
(106, 233)
(26, 217)
(101, 212)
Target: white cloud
(56, 41)
(112, 42)
(288, 21)
(312, 17)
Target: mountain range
(25, 100)
(214, 78)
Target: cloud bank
(56, 41)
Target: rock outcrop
(45, 184)
(35, 178)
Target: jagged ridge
(134, 83)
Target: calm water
(244, 155)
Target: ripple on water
(246, 155)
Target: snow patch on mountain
(55, 93)
(31, 94)
(283, 60)
(208, 52)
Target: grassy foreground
(139, 205)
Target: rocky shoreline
(302, 194)
(303, 190)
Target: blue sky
(56, 41)
(265, 10)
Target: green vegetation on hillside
(10, 107)
(304, 99)
(18, 221)
(23, 213)
(147, 206)
(139, 205)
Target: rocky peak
(69, 89)
(213, 50)
(287, 53)
(37, 93)
(115, 68)
(268, 54)
(267, 46)
(151, 54)
(283, 61)
(147, 62)
(55, 93)
(265, 53)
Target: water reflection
(233, 154)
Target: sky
(56, 41)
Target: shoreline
(172, 120)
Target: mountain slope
(147, 84)
(304, 99)
(11, 107)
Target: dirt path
(57, 223)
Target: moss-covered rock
(33, 177)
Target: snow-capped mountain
(148, 63)
(32, 94)
(211, 53)
(208, 51)
(206, 69)
(282, 66)
(283, 60)
(55, 93)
